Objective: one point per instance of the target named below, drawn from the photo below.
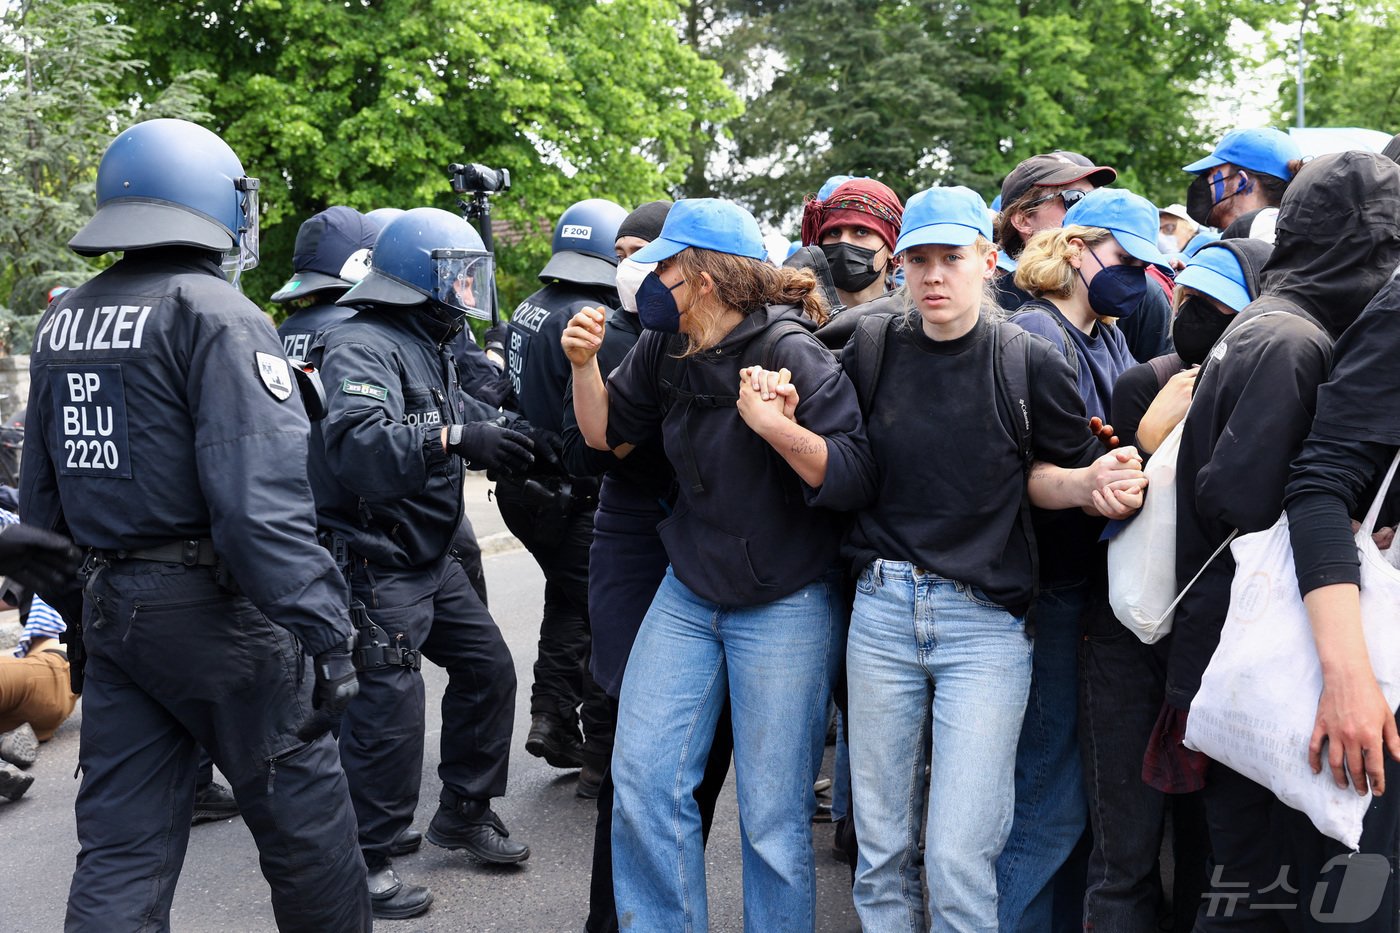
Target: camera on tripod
(474, 178)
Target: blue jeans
(931, 660)
(1051, 809)
(775, 662)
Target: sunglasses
(1070, 196)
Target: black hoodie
(1138, 386)
(1338, 240)
(742, 533)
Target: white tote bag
(1258, 699)
(1142, 555)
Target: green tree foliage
(1352, 68)
(59, 66)
(919, 92)
(364, 103)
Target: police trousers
(434, 610)
(176, 662)
(558, 540)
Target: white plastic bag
(1257, 704)
(1142, 556)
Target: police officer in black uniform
(330, 255)
(162, 419)
(398, 436)
(553, 515)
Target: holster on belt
(373, 649)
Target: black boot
(391, 899)
(406, 842)
(213, 801)
(554, 741)
(471, 825)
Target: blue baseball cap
(1215, 271)
(705, 223)
(1264, 150)
(1129, 217)
(944, 216)
(831, 184)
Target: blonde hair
(745, 285)
(1045, 262)
(989, 308)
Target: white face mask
(629, 278)
(1166, 243)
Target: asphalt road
(222, 889)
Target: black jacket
(304, 327)
(1338, 239)
(382, 479)
(161, 408)
(535, 361)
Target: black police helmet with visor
(173, 183)
(429, 256)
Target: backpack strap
(1011, 363)
(866, 354)
(1053, 313)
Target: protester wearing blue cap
(750, 607)
(944, 559)
(1086, 275)
(1249, 169)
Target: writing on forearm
(805, 445)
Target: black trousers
(1274, 871)
(558, 540)
(176, 663)
(434, 610)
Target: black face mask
(1200, 200)
(1197, 326)
(852, 267)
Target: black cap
(646, 221)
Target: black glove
(549, 447)
(494, 340)
(37, 559)
(336, 684)
(488, 446)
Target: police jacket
(743, 531)
(536, 363)
(302, 328)
(382, 479)
(161, 408)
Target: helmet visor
(244, 255)
(463, 280)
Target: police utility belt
(192, 553)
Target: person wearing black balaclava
(1123, 679)
(1338, 240)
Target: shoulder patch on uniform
(276, 375)
(366, 389)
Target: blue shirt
(1103, 354)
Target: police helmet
(172, 183)
(382, 215)
(331, 252)
(428, 255)
(584, 244)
